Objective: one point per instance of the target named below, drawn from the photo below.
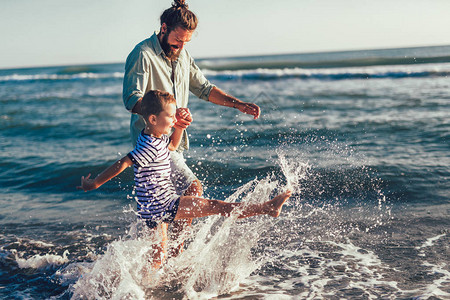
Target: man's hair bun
(180, 4)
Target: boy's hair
(154, 101)
(179, 15)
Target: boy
(158, 203)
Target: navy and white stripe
(155, 192)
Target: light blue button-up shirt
(147, 68)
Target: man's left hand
(184, 118)
(249, 108)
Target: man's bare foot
(274, 206)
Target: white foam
(18, 77)
(40, 244)
(434, 289)
(376, 71)
(358, 269)
(42, 261)
(429, 242)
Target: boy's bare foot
(274, 206)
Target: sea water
(360, 137)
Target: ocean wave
(51, 77)
(261, 73)
(403, 71)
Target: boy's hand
(184, 118)
(87, 184)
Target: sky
(63, 32)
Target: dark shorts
(168, 216)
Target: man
(161, 63)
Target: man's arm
(202, 88)
(118, 167)
(219, 97)
(135, 79)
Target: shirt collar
(155, 43)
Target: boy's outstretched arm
(112, 171)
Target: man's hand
(249, 108)
(184, 118)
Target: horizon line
(227, 57)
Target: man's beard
(168, 50)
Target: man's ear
(152, 119)
(163, 29)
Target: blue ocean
(362, 138)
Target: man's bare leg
(179, 226)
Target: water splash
(222, 253)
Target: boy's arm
(112, 171)
(184, 119)
(175, 138)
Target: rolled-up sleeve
(135, 78)
(198, 84)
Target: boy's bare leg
(158, 251)
(196, 207)
(179, 226)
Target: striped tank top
(154, 191)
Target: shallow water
(364, 148)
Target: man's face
(173, 42)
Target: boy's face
(166, 119)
